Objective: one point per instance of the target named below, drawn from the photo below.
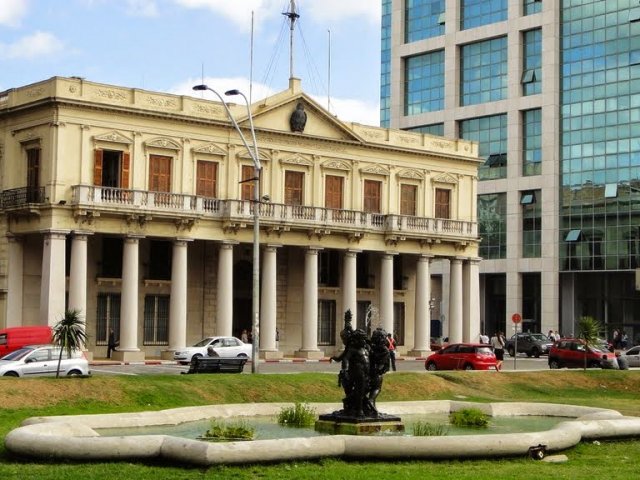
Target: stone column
(14, 281)
(349, 279)
(128, 348)
(78, 276)
(471, 300)
(53, 284)
(455, 301)
(309, 348)
(178, 299)
(268, 305)
(224, 307)
(386, 292)
(422, 326)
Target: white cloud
(337, 10)
(36, 45)
(238, 11)
(346, 109)
(142, 8)
(12, 11)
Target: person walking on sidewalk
(391, 345)
(497, 342)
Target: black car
(533, 344)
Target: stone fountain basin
(74, 437)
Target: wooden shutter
(247, 186)
(333, 191)
(372, 189)
(97, 167)
(293, 184)
(206, 178)
(159, 173)
(33, 168)
(443, 199)
(408, 199)
(125, 167)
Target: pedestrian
(244, 336)
(484, 338)
(497, 342)
(551, 336)
(111, 343)
(277, 339)
(391, 345)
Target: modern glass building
(551, 91)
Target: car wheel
(554, 364)
(512, 352)
(11, 374)
(535, 353)
(243, 355)
(431, 366)
(195, 357)
(74, 373)
(468, 366)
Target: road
(403, 365)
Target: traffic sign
(516, 318)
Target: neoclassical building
(136, 208)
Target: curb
(281, 360)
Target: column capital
(82, 233)
(53, 233)
(456, 259)
(182, 240)
(133, 238)
(272, 247)
(352, 252)
(313, 249)
(424, 257)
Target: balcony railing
(272, 215)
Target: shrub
(426, 429)
(469, 417)
(229, 431)
(300, 415)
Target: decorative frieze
(163, 142)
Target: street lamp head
(233, 91)
(200, 87)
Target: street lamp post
(256, 216)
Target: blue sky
(168, 45)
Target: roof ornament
(298, 119)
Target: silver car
(632, 356)
(223, 347)
(42, 360)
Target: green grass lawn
(619, 390)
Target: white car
(632, 356)
(42, 360)
(223, 347)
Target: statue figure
(363, 363)
(298, 118)
(379, 365)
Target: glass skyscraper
(551, 91)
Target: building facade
(137, 209)
(551, 91)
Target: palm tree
(588, 331)
(69, 335)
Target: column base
(419, 353)
(127, 356)
(271, 355)
(309, 354)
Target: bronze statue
(363, 363)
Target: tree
(588, 331)
(69, 335)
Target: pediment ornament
(336, 165)
(113, 137)
(297, 160)
(209, 148)
(165, 143)
(411, 173)
(375, 169)
(445, 178)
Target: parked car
(570, 353)
(42, 360)
(533, 344)
(632, 356)
(224, 347)
(462, 356)
(13, 338)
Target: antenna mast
(293, 16)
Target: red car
(462, 356)
(572, 353)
